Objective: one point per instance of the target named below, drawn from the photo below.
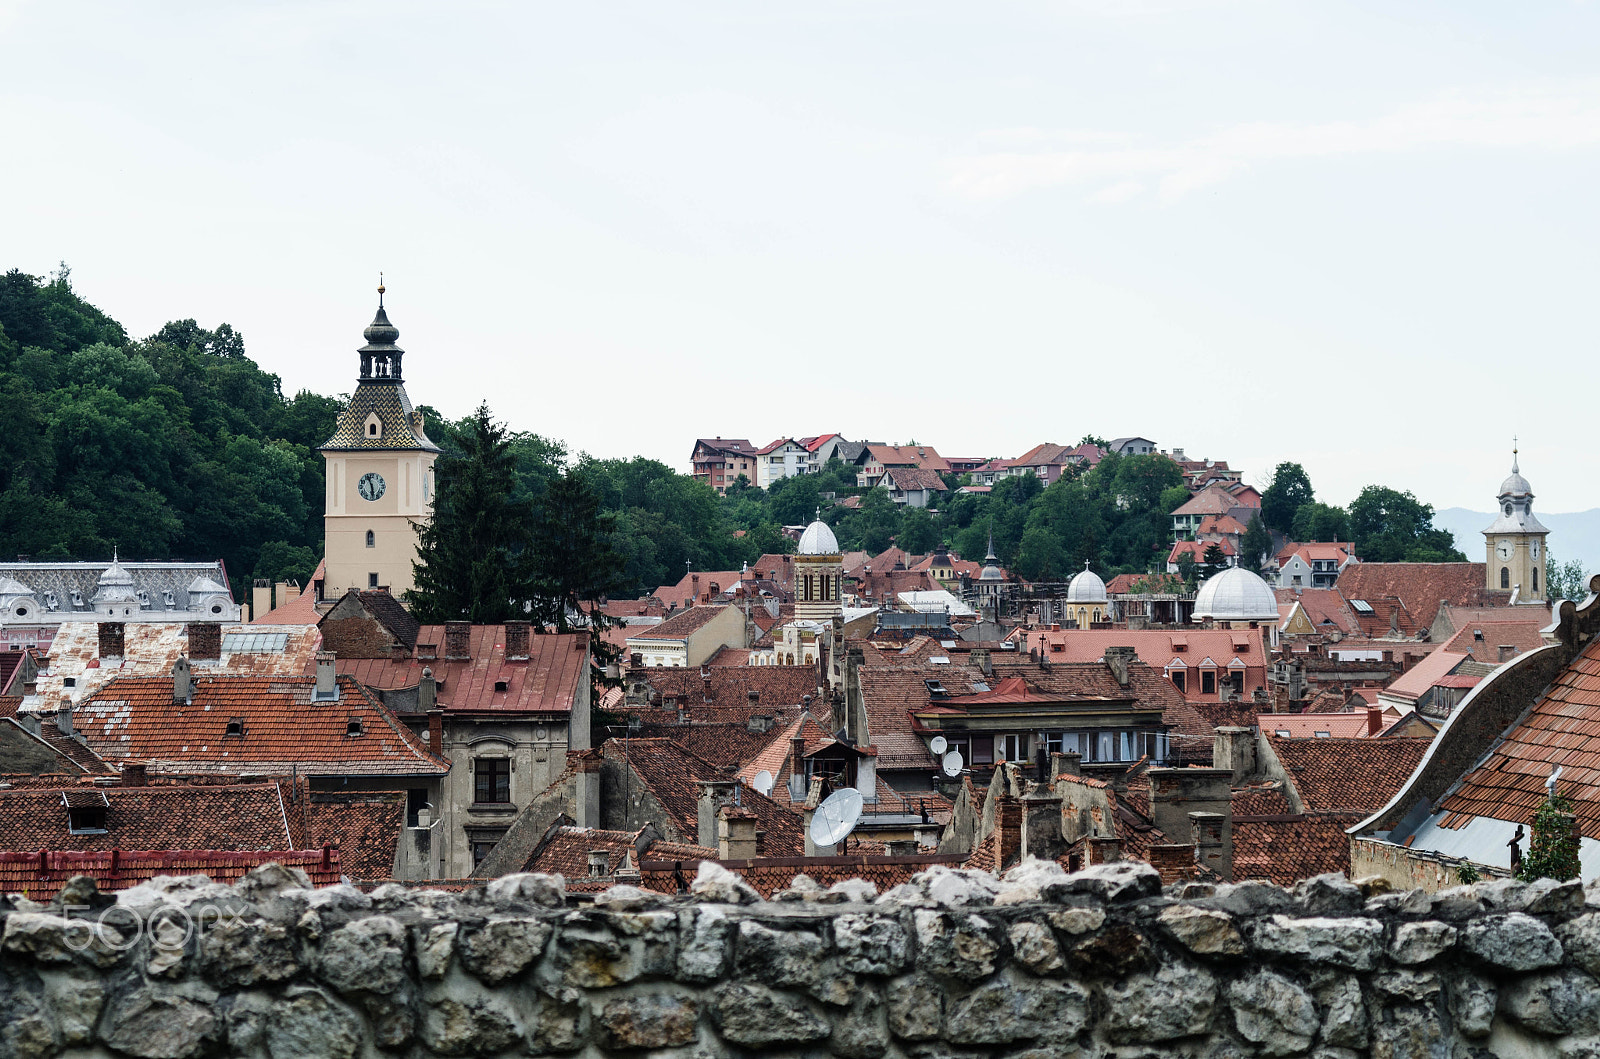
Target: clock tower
(379, 474)
(1515, 541)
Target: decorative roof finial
(1514, 455)
(380, 290)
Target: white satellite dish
(762, 782)
(836, 817)
(952, 763)
(938, 744)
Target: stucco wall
(1041, 964)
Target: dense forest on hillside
(178, 446)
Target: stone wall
(1099, 963)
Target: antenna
(836, 817)
(952, 764)
(938, 744)
(762, 782)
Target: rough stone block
(704, 957)
(1003, 1010)
(955, 946)
(154, 1023)
(1203, 930)
(1175, 1001)
(1554, 1003)
(1123, 880)
(1273, 1013)
(245, 952)
(1354, 943)
(502, 947)
(1515, 941)
(916, 1007)
(1415, 943)
(366, 955)
(306, 1023)
(756, 1015)
(1035, 947)
(868, 943)
(661, 1020)
(1472, 1004)
(778, 957)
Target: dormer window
(353, 728)
(87, 820)
(168, 600)
(372, 427)
(235, 729)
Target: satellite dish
(952, 763)
(836, 817)
(938, 744)
(762, 782)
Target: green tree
(1094, 439)
(918, 532)
(1553, 846)
(1289, 490)
(575, 562)
(1213, 561)
(1317, 521)
(1390, 526)
(475, 561)
(1568, 580)
(282, 561)
(1188, 569)
(1256, 544)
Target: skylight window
(1361, 606)
(248, 643)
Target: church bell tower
(1515, 542)
(379, 474)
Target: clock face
(1503, 550)
(370, 486)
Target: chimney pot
(135, 774)
(436, 732)
(111, 635)
(327, 689)
(1507, 651)
(1374, 720)
(182, 681)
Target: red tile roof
(695, 587)
(284, 731)
(1198, 549)
(908, 456)
(729, 687)
(1325, 608)
(39, 875)
(1559, 730)
(548, 682)
(1212, 500)
(1418, 588)
(670, 773)
(1348, 775)
(910, 478)
(1286, 851)
(679, 626)
(1483, 640)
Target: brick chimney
(1506, 651)
(134, 774)
(736, 833)
(458, 641)
(516, 641)
(205, 641)
(797, 767)
(1374, 720)
(111, 639)
(260, 597)
(1104, 849)
(182, 681)
(436, 731)
(981, 659)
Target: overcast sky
(1358, 236)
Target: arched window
(372, 430)
(1505, 578)
(372, 542)
(1536, 579)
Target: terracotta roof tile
(283, 730)
(39, 876)
(1348, 775)
(671, 772)
(1418, 589)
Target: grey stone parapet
(1036, 964)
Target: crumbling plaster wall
(1038, 964)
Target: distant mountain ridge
(1573, 534)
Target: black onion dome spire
(380, 357)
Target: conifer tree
(574, 560)
(474, 559)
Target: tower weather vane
(380, 290)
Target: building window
(372, 580)
(86, 820)
(1505, 577)
(1535, 581)
(482, 843)
(1208, 682)
(372, 540)
(1178, 678)
(372, 430)
(1012, 747)
(491, 780)
(1236, 678)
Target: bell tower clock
(379, 474)
(1515, 542)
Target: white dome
(1086, 588)
(1235, 595)
(116, 585)
(1515, 485)
(818, 539)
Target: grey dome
(1086, 588)
(818, 539)
(1515, 485)
(116, 585)
(1236, 595)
